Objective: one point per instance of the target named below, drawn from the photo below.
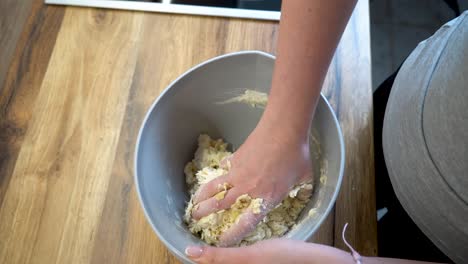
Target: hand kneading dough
(205, 167)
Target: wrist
(285, 126)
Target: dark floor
(397, 26)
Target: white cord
(354, 253)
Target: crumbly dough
(253, 98)
(206, 166)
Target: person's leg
(398, 235)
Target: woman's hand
(285, 251)
(271, 251)
(270, 162)
(276, 155)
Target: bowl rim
(150, 110)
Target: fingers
(278, 251)
(213, 187)
(216, 203)
(247, 223)
(210, 188)
(205, 255)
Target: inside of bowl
(188, 108)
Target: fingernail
(194, 251)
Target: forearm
(309, 34)
(375, 260)
(287, 252)
(315, 253)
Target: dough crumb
(323, 179)
(207, 166)
(219, 196)
(254, 98)
(312, 212)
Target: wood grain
(325, 234)
(78, 89)
(13, 15)
(56, 193)
(351, 97)
(23, 81)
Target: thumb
(208, 255)
(244, 226)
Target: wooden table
(78, 85)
